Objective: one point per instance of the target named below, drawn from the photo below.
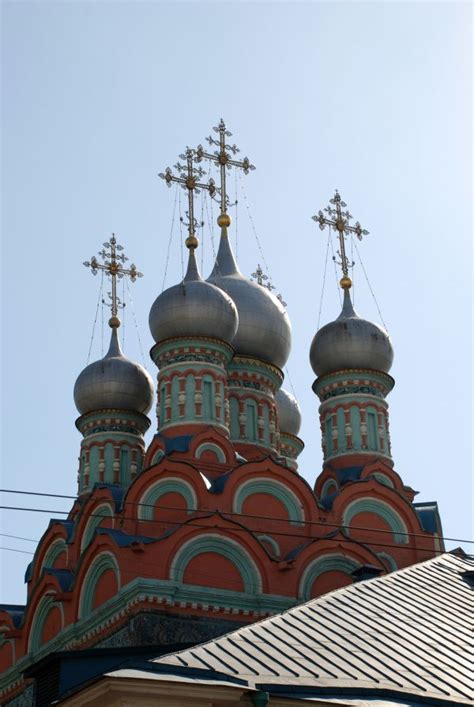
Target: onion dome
(193, 308)
(350, 342)
(289, 413)
(114, 382)
(264, 327)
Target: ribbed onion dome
(289, 412)
(114, 382)
(193, 308)
(264, 327)
(350, 342)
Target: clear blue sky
(372, 98)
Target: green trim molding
(161, 487)
(273, 488)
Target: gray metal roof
(406, 634)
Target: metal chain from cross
(223, 157)
(112, 257)
(188, 179)
(339, 221)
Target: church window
(190, 389)
(372, 430)
(355, 426)
(251, 420)
(208, 399)
(234, 418)
(175, 398)
(162, 404)
(328, 435)
(341, 431)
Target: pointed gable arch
(382, 509)
(100, 564)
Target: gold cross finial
(111, 259)
(223, 158)
(189, 179)
(339, 221)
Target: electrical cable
(324, 280)
(170, 238)
(370, 287)
(96, 315)
(332, 526)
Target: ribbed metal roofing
(409, 633)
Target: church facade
(211, 526)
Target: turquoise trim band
(382, 509)
(326, 563)
(226, 547)
(170, 485)
(103, 562)
(271, 488)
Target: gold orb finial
(224, 220)
(114, 322)
(345, 283)
(191, 242)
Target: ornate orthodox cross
(223, 158)
(339, 221)
(111, 265)
(188, 178)
(260, 277)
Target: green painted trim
(382, 509)
(45, 605)
(220, 545)
(169, 485)
(272, 542)
(210, 447)
(98, 515)
(103, 562)
(327, 484)
(384, 556)
(53, 552)
(157, 457)
(141, 589)
(273, 488)
(326, 563)
(382, 479)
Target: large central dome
(264, 330)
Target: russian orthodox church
(212, 526)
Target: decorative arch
(273, 488)
(325, 563)
(157, 457)
(379, 508)
(329, 487)
(43, 609)
(169, 485)
(382, 479)
(211, 447)
(272, 543)
(98, 514)
(56, 549)
(388, 561)
(228, 548)
(103, 562)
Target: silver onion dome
(114, 382)
(350, 342)
(289, 412)
(264, 327)
(193, 308)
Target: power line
(242, 528)
(334, 526)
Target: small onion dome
(264, 327)
(114, 382)
(193, 308)
(289, 412)
(350, 342)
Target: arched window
(175, 398)
(251, 420)
(372, 429)
(124, 465)
(355, 425)
(328, 435)
(341, 431)
(234, 418)
(207, 398)
(266, 424)
(190, 404)
(162, 404)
